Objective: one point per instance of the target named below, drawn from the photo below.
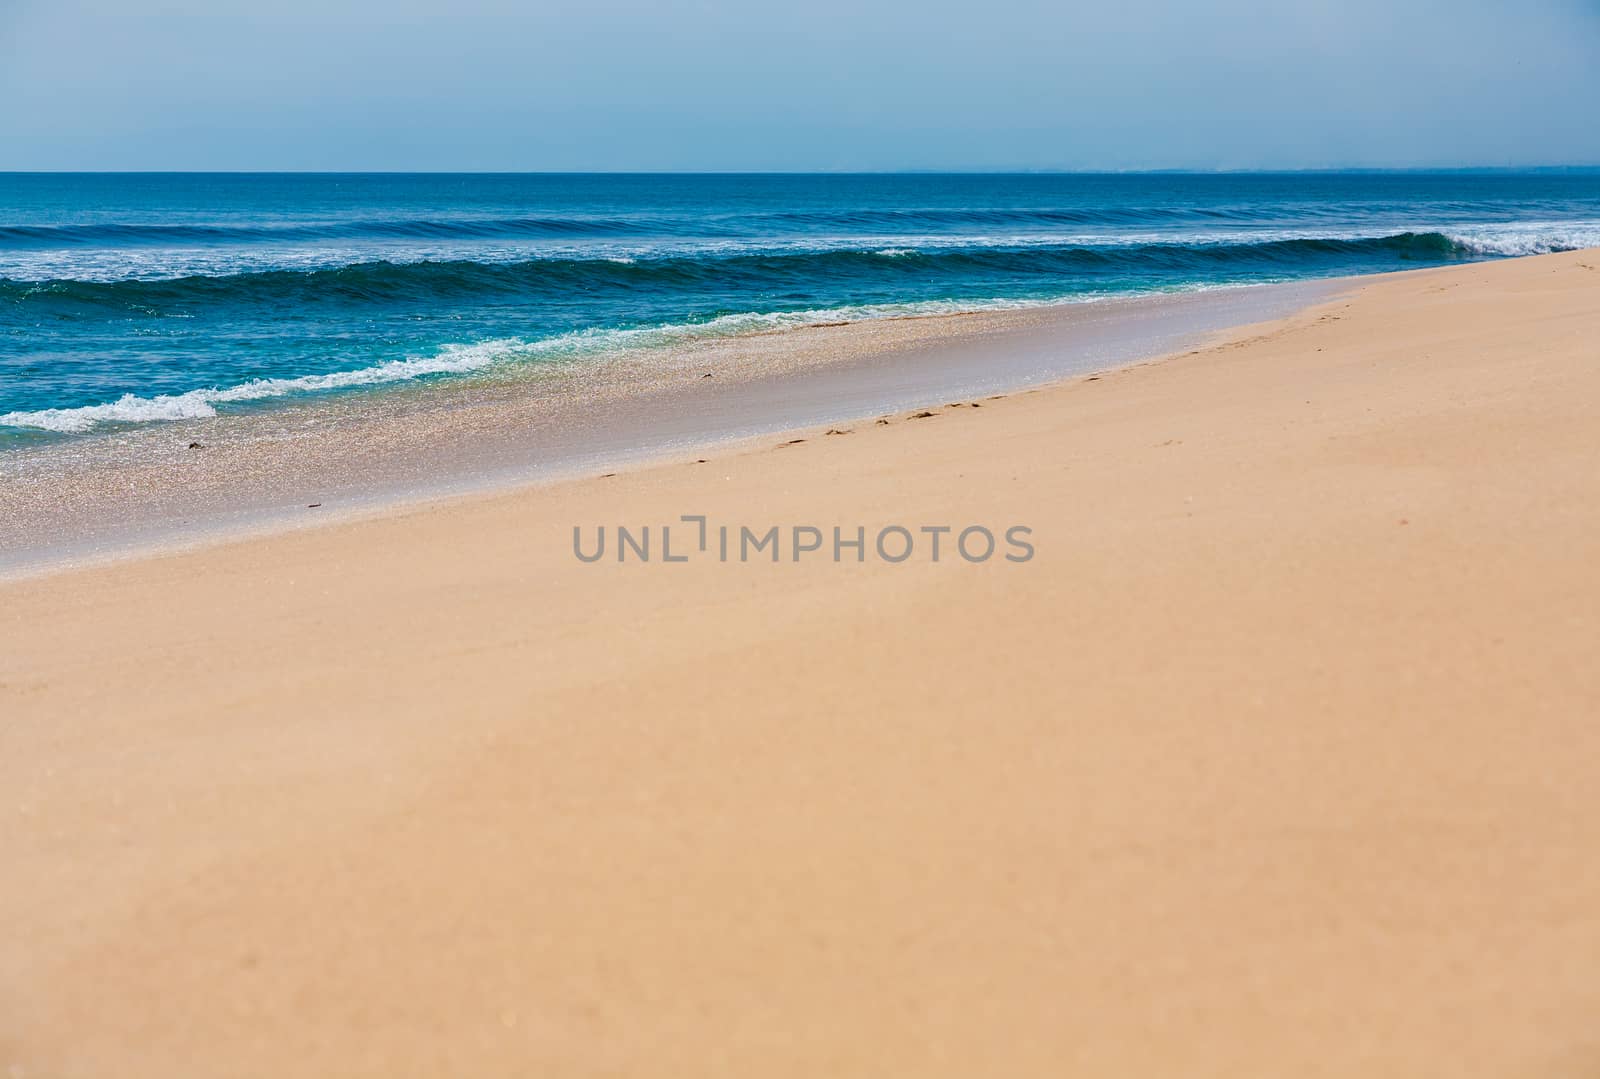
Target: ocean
(129, 300)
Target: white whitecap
(1527, 237)
(201, 404)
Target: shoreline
(141, 493)
(1285, 733)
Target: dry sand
(1279, 759)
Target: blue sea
(136, 299)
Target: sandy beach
(153, 486)
(1277, 758)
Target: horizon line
(1177, 171)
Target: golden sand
(1278, 759)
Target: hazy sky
(829, 84)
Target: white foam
(1527, 238)
(201, 404)
(464, 359)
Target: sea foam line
(201, 404)
(460, 359)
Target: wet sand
(1278, 758)
(253, 471)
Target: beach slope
(1277, 758)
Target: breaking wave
(464, 359)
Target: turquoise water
(130, 299)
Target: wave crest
(201, 404)
(546, 278)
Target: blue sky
(831, 84)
